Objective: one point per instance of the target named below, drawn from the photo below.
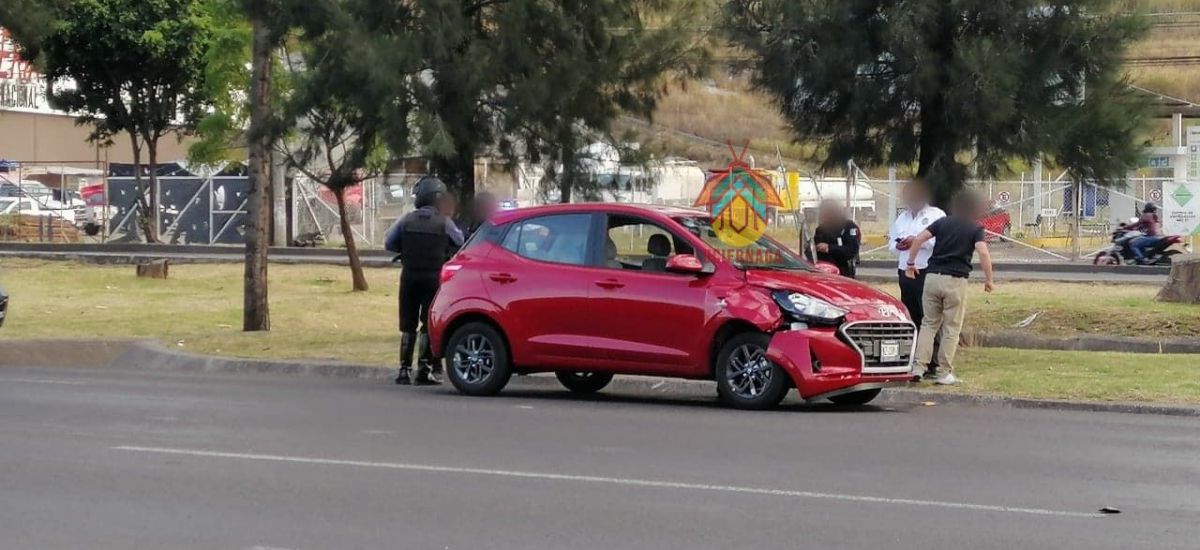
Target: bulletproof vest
(424, 244)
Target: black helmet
(1150, 207)
(428, 191)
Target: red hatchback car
(588, 291)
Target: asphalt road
(131, 459)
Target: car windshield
(765, 253)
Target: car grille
(869, 338)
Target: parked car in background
(29, 207)
(588, 291)
(26, 188)
(997, 222)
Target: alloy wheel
(474, 359)
(749, 371)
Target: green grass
(313, 313)
(1071, 309)
(315, 316)
(1077, 375)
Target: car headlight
(807, 308)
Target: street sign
(1156, 195)
(1181, 208)
(1003, 197)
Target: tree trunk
(256, 314)
(1184, 284)
(458, 171)
(141, 209)
(356, 268)
(155, 209)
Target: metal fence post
(1038, 177)
(891, 213)
(850, 187)
(1078, 207)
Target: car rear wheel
(856, 398)
(746, 379)
(584, 382)
(477, 360)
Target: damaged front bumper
(822, 365)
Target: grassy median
(315, 316)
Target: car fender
(442, 317)
(751, 305)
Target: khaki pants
(945, 305)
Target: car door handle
(502, 278)
(610, 284)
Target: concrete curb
(50, 352)
(155, 356)
(1092, 342)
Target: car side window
(640, 245)
(560, 239)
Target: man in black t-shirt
(959, 237)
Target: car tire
(477, 361)
(584, 382)
(746, 379)
(856, 398)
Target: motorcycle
(1121, 251)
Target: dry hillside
(696, 120)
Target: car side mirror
(685, 263)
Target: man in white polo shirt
(916, 216)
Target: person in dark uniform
(482, 208)
(424, 239)
(836, 238)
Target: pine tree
(949, 84)
(526, 77)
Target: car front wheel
(746, 379)
(477, 360)
(584, 382)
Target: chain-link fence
(1029, 219)
(51, 201)
(371, 208)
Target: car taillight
(448, 271)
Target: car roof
(506, 216)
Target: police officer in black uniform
(425, 239)
(837, 239)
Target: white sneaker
(947, 379)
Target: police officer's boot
(428, 374)
(407, 342)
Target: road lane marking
(630, 482)
(44, 381)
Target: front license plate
(889, 351)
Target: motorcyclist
(1150, 227)
(424, 239)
